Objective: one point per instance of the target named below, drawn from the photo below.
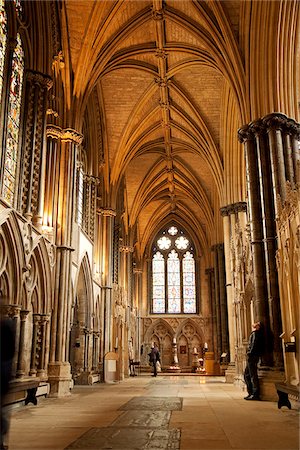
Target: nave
(167, 412)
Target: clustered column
(234, 215)
(63, 144)
(108, 218)
(220, 301)
(33, 168)
(270, 142)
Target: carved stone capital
(245, 134)
(23, 314)
(126, 249)
(233, 208)
(53, 131)
(70, 135)
(107, 212)
(39, 78)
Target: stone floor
(167, 412)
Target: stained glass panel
(182, 243)
(164, 243)
(3, 39)
(189, 288)
(172, 231)
(13, 122)
(158, 283)
(173, 283)
(18, 4)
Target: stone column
(59, 368)
(36, 341)
(269, 142)
(217, 304)
(260, 305)
(34, 158)
(210, 281)
(108, 216)
(44, 320)
(223, 300)
(137, 302)
(21, 359)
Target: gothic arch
(190, 328)
(84, 290)
(159, 328)
(13, 263)
(38, 279)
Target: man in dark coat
(154, 356)
(255, 350)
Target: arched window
(13, 123)
(173, 278)
(3, 42)
(13, 100)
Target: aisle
(167, 412)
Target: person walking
(254, 351)
(154, 357)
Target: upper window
(11, 96)
(173, 273)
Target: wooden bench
(283, 391)
(26, 389)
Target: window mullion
(181, 286)
(166, 285)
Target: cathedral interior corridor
(168, 412)
(149, 220)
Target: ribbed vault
(173, 89)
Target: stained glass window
(172, 231)
(158, 277)
(181, 243)
(18, 4)
(173, 273)
(13, 122)
(164, 243)
(173, 283)
(189, 291)
(3, 40)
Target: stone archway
(81, 333)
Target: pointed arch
(13, 263)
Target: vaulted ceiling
(169, 78)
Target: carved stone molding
(158, 14)
(162, 82)
(233, 208)
(39, 78)
(277, 121)
(70, 135)
(126, 249)
(107, 212)
(53, 131)
(161, 53)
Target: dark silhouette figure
(7, 351)
(154, 356)
(255, 350)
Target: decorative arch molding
(83, 291)
(190, 328)
(38, 279)
(12, 260)
(159, 328)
